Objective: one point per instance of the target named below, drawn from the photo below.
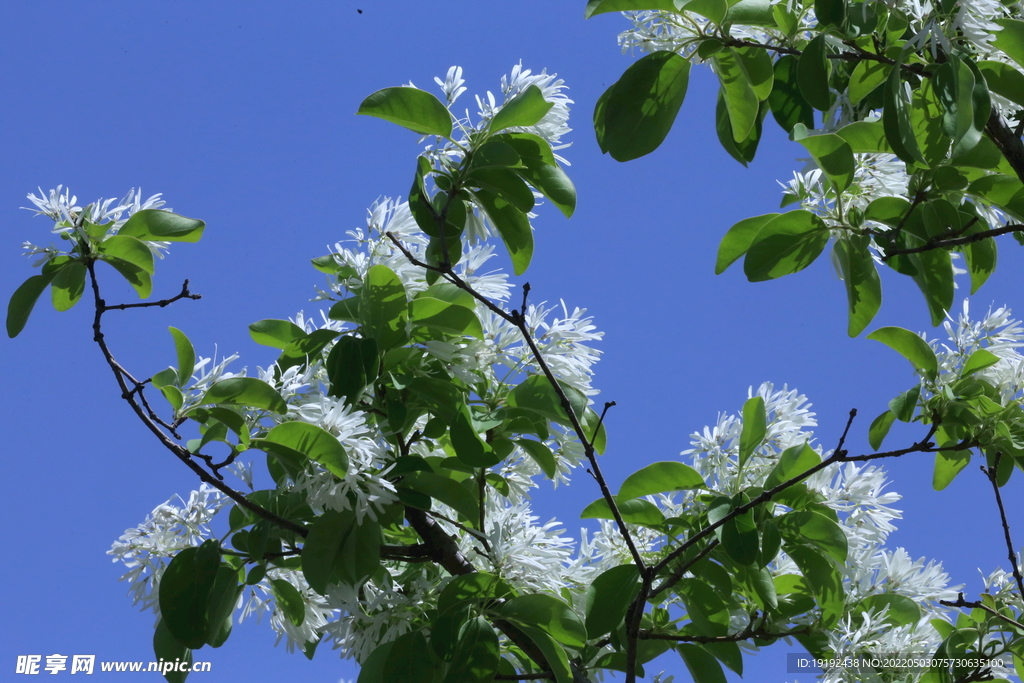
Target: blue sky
(242, 115)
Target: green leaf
(384, 307)
(513, 226)
(525, 109)
(372, 670)
(752, 13)
(911, 347)
(441, 397)
(1004, 80)
(552, 182)
(741, 98)
(447, 317)
(23, 301)
(595, 7)
(935, 280)
(245, 391)
(411, 108)
(832, 154)
(636, 511)
(1011, 39)
(703, 666)
(737, 240)
(553, 653)
(745, 150)
(549, 614)
(139, 279)
(953, 83)
(351, 365)
(981, 261)
(948, 464)
(68, 285)
(130, 249)
(275, 333)
(407, 662)
(186, 355)
(322, 553)
(807, 527)
(155, 225)
(536, 394)
(476, 652)
(608, 598)
(786, 101)
(289, 600)
(308, 440)
(825, 583)
(979, 360)
(880, 428)
(446, 491)
(184, 591)
(476, 586)
(469, 447)
(168, 649)
(863, 286)
(902, 611)
(903, 406)
(503, 183)
(541, 455)
(830, 12)
(660, 477)
(786, 244)
(306, 350)
(755, 61)
(812, 73)
(755, 421)
(637, 112)
(866, 77)
(710, 616)
(896, 116)
(866, 137)
(793, 462)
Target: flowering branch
(128, 394)
(518, 319)
(925, 445)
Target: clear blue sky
(242, 115)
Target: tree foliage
(403, 432)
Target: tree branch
(991, 473)
(1009, 144)
(120, 375)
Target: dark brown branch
(945, 242)
(860, 55)
(1009, 144)
(184, 294)
(745, 634)
(992, 474)
(978, 604)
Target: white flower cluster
(62, 208)
(168, 529)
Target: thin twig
(978, 604)
(184, 294)
(992, 474)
